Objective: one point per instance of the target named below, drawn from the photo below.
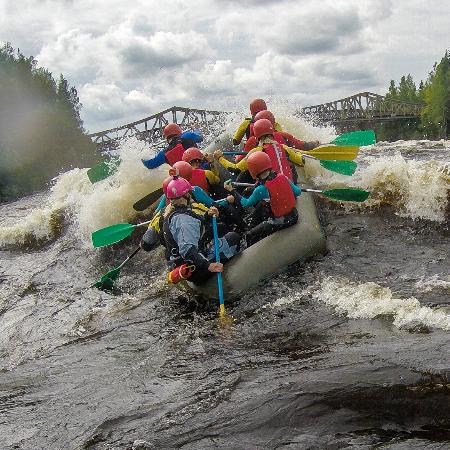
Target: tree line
(434, 93)
(41, 132)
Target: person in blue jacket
(178, 142)
(274, 198)
(188, 237)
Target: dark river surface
(350, 350)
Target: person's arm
(155, 162)
(278, 127)
(260, 193)
(293, 141)
(241, 165)
(201, 196)
(295, 189)
(294, 156)
(240, 132)
(161, 203)
(212, 177)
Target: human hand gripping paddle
(342, 195)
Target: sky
(129, 60)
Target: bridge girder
(364, 107)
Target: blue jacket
(189, 139)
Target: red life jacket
(199, 179)
(175, 153)
(280, 162)
(282, 198)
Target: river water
(350, 350)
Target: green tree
(436, 92)
(41, 132)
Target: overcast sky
(130, 59)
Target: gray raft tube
(271, 255)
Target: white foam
(370, 300)
(435, 282)
(417, 189)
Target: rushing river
(350, 350)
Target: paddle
(324, 152)
(114, 233)
(148, 200)
(103, 170)
(107, 280)
(360, 138)
(219, 274)
(343, 195)
(342, 167)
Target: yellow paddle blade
(334, 152)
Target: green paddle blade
(103, 170)
(148, 200)
(347, 195)
(360, 138)
(107, 280)
(112, 234)
(342, 167)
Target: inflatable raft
(272, 254)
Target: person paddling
(178, 142)
(204, 178)
(274, 197)
(280, 155)
(246, 127)
(189, 251)
(282, 137)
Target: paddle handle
(217, 255)
(318, 191)
(143, 223)
(234, 153)
(129, 257)
(236, 183)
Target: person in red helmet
(274, 198)
(280, 155)
(282, 137)
(187, 236)
(245, 128)
(178, 142)
(200, 177)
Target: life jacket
(280, 162)
(282, 198)
(199, 179)
(174, 152)
(249, 130)
(172, 250)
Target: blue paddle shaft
(216, 251)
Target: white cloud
(129, 60)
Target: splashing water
(370, 300)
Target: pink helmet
(177, 188)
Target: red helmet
(183, 169)
(165, 184)
(265, 114)
(262, 127)
(171, 129)
(257, 105)
(192, 154)
(258, 162)
(177, 188)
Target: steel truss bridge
(358, 111)
(150, 128)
